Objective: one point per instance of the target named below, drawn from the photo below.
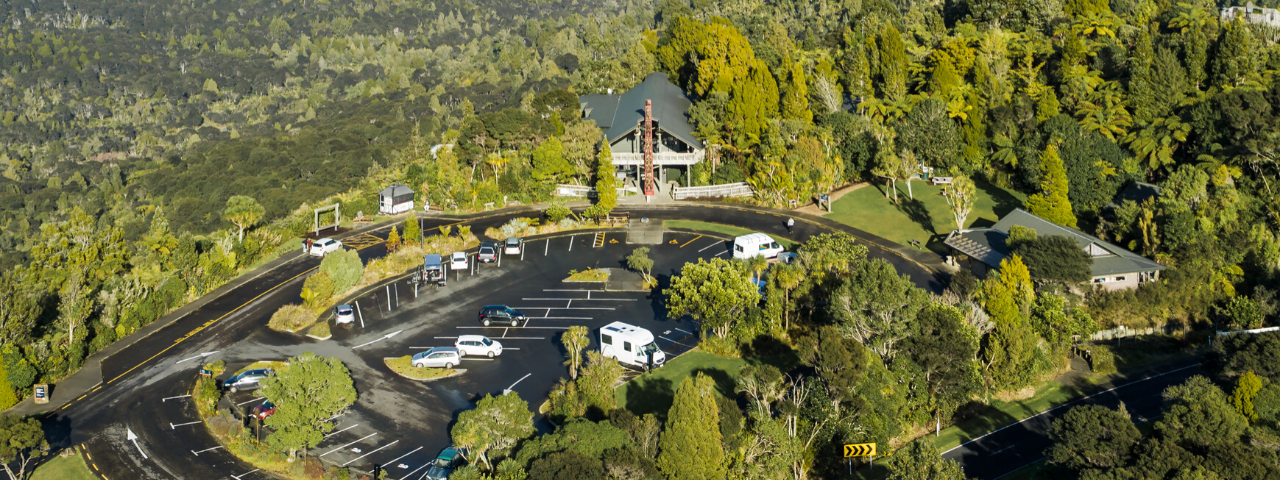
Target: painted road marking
(165, 399)
(722, 253)
(580, 299)
(544, 328)
(718, 242)
(691, 241)
(569, 290)
(504, 338)
(370, 452)
(206, 450)
(340, 431)
(508, 389)
(566, 308)
(389, 462)
(250, 401)
(384, 337)
(673, 341)
(173, 426)
(209, 323)
(349, 444)
(406, 477)
(568, 318)
(202, 355)
(238, 477)
(686, 332)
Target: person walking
(791, 223)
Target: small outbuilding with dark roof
(395, 199)
(1113, 268)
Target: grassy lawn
(69, 468)
(725, 229)
(988, 418)
(589, 275)
(926, 219)
(654, 391)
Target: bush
(722, 346)
(317, 289)
(290, 318)
(557, 212)
(1102, 360)
(344, 268)
(216, 367)
(206, 396)
(320, 330)
(517, 227)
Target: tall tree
(243, 212)
(893, 63)
(606, 183)
(1198, 415)
(639, 261)
(960, 194)
(496, 423)
(920, 460)
(1233, 61)
(412, 230)
(575, 340)
(1052, 202)
(1056, 258)
(795, 102)
(1141, 92)
(944, 346)
(690, 446)
(1093, 436)
(878, 306)
(752, 102)
(857, 70)
(309, 392)
(21, 441)
(715, 293)
(1246, 390)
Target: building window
(1119, 279)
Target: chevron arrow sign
(859, 450)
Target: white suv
(478, 345)
(323, 246)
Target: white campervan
(755, 245)
(631, 345)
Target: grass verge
(997, 414)
(403, 366)
(654, 391)
(926, 219)
(320, 330)
(725, 229)
(589, 275)
(64, 468)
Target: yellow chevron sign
(859, 450)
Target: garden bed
(589, 275)
(402, 367)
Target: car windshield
(486, 342)
(650, 348)
(443, 462)
(486, 249)
(344, 311)
(513, 242)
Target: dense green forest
(127, 130)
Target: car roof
(498, 307)
(459, 254)
(443, 349)
(348, 307)
(754, 239)
(513, 240)
(448, 453)
(486, 245)
(471, 337)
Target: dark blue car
(246, 380)
(449, 459)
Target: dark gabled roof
(618, 115)
(987, 245)
(1138, 192)
(396, 190)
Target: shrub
(290, 318)
(557, 212)
(317, 289)
(344, 268)
(319, 330)
(1102, 360)
(516, 227)
(722, 346)
(225, 426)
(206, 396)
(216, 366)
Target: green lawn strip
(926, 219)
(403, 366)
(590, 275)
(653, 391)
(721, 228)
(59, 468)
(999, 414)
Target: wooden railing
(725, 190)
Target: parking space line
(240, 476)
(566, 308)
(673, 341)
(349, 444)
(504, 338)
(582, 299)
(685, 331)
(389, 462)
(340, 431)
(569, 290)
(205, 450)
(691, 241)
(410, 474)
(718, 242)
(544, 328)
(370, 452)
(241, 404)
(722, 253)
(173, 426)
(568, 318)
(162, 400)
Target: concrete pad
(639, 233)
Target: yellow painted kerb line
(211, 322)
(691, 241)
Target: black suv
(488, 252)
(500, 314)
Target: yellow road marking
(95, 389)
(82, 397)
(210, 322)
(95, 466)
(86, 454)
(691, 241)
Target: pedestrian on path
(791, 223)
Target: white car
(439, 357)
(478, 345)
(324, 246)
(458, 261)
(344, 314)
(512, 246)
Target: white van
(755, 245)
(631, 345)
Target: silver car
(344, 314)
(439, 357)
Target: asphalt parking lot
(400, 424)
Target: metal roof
(395, 190)
(619, 115)
(987, 245)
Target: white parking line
(673, 341)
(389, 462)
(566, 308)
(340, 431)
(242, 475)
(241, 404)
(173, 426)
(410, 474)
(718, 242)
(570, 290)
(504, 338)
(685, 331)
(581, 299)
(370, 452)
(543, 328)
(162, 400)
(349, 444)
(568, 318)
(205, 450)
(722, 253)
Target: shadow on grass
(916, 212)
(976, 419)
(1004, 202)
(650, 395)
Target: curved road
(144, 384)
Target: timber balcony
(661, 159)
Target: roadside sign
(859, 450)
(42, 393)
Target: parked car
(501, 314)
(458, 261)
(488, 252)
(438, 357)
(513, 246)
(246, 380)
(444, 464)
(755, 245)
(264, 410)
(323, 246)
(433, 269)
(344, 314)
(478, 345)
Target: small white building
(396, 199)
(1252, 14)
